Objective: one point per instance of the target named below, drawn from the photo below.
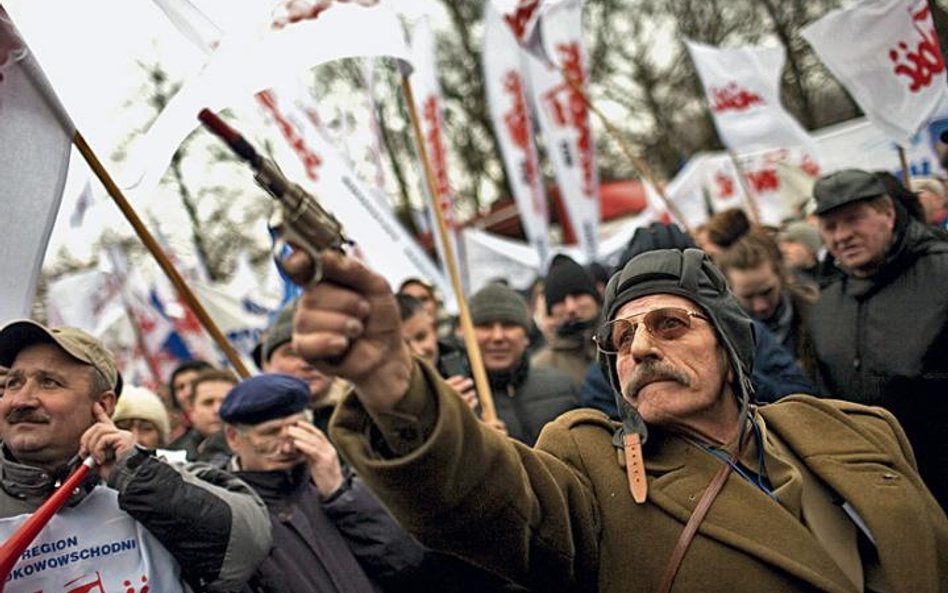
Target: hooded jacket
(883, 340)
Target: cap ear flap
(691, 269)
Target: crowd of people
(752, 408)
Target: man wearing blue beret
(329, 532)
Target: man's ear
(108, 400)
(230, 433)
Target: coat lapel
(878, 483)
(741, 517)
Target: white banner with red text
(506, 97)
(887, 55)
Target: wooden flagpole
(640, 165)
(145, 236)
(481, 384)
(906, 174)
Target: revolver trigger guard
(279, 248)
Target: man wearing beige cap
(170, 528)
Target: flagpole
(753, 208)
(906, 174)
(484, 396)
(636, 161)
(145, 236)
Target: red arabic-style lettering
(733, 98)
(725, 185)
(520, 18)
(574, 112)
(809, 166)
(311, 161)
(518, 127)
(763, 180)
(294, 11)
(926, 61)
(431, 112)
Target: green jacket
(559, 517)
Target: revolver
(298, 219)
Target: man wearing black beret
(329, 532)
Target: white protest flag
(507, 100)
(563, 117)
(368, 73)
(742, 86)
(276, 50)
(380, 240)
(886, 53)
(35, 140)
(523, 18)
(430, 109)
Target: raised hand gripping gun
(298, 219)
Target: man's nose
(644, 344)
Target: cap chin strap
(633, 435)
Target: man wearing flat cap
(172, 528)
(880, 330)
(330, 533)
(699, 491)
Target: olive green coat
(560, 517)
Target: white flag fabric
(35, 140)
(742, 86)
(245, 63)
(430, 109)
(380, 239)
(523, 19)
(886, 53)
(564, 121)
(506, 97)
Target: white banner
(886, 53)
(430, 110)
(380, 239)
(506, 97)
(94, 547)
(35, 136)
(742, 86)
(564, 120)
(523, 18)
(245, 63)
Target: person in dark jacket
(171, 528)
(329, 532)
(526, 396)
(881, 329)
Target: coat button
(857, 363)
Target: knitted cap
(280, 332)
(802, 233)
(142, 404)
(496, 302)
(566, 278)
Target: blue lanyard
(760, 479)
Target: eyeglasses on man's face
(666, 323)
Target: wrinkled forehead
(655, 301)
(278, 423)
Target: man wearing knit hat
(278, 356)
(801, 248)
(142, 413)
(526, 397)
(573, 303)
(700, 490)
(182, 527)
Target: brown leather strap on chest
(691, 528)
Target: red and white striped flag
(35, 143)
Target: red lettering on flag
(733, 98)
(921, 64)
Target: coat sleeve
(213, 524)
(465, 489)
(383, 548)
